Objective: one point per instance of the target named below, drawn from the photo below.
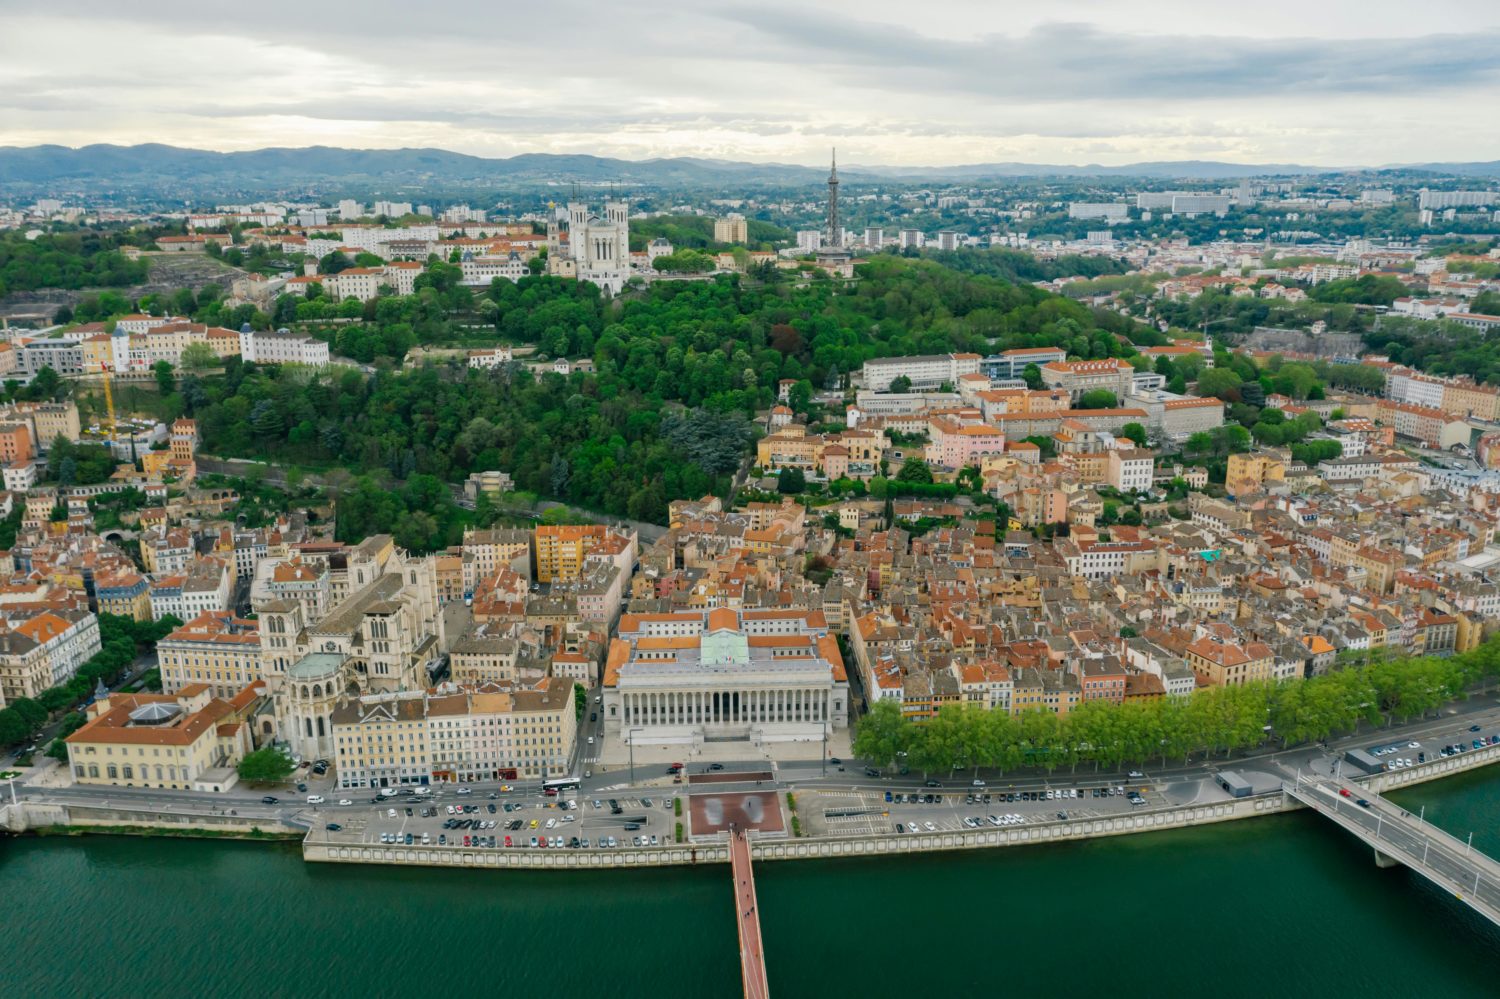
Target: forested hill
(681, 367)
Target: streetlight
(630, 742)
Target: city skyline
(1079, 83)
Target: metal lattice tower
(835, 231)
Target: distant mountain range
(154, 165)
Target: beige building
(190, 740)
(732, 229)
(217, 650)
(44, 651)
(455, 733)
(1225, 664)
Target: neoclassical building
(725, 675)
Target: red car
(507, 841)
(466, 841)
(1344, 792)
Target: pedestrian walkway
(752, 956)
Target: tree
(266, 766)
(1097, 399)
(1135, 432)
(881, 734)
(791, 481)
(47, 383)
(914, 470)
(900, 384)
(1032, 375)
(1220, 382)
(165, 383)
(198, 357)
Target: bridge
(746, 917)
(1399, 837)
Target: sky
(940, 82)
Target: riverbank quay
(320, 846)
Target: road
(1164, 785)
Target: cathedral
(597, 249)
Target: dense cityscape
(442, 521)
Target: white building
(1114, 211)
(809, 240)
(598, 247)
(282, 347)
(924, 371)
(756, 676)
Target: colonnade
(726, 707)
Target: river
(1285, 905)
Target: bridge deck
(747, 918)
(1392, 831)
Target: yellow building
(126, 593)
(189, 740)
(561, 549)
(216, 649)
(1250, 472)
(98, 353)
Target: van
(387, 792)
(314, 799)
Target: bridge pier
(1382, 861)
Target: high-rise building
(731, 229)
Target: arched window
(308, 723)
(317, 690)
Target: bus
(560, 784)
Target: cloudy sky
(1329, 82)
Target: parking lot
(530, 822)
(866, 813)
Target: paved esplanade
(1399, 836)
(752, 955)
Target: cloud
(1061, 61)
(951, 81)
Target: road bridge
(1399, 837)
(746, 917)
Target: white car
(929, 827)
(345, 801)
(551, 823)
(570, 818)
(390, 813)
(1135, 775)
(976, 782)
(450, 809)
(463, 790)
(314, 799)
(1413, 745)
(591, 740)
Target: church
(597, 248)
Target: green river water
(1282, 906)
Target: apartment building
(1226, 664)
(562, 548)
(217, 650)
(455, 733)
(44, 650)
